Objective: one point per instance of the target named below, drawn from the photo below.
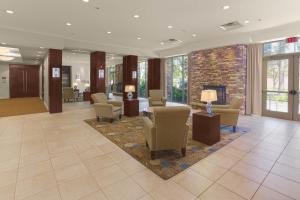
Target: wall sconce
(133, 74)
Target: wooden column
(97, 84)
(154, 74)
(129, 66)
(55, 83)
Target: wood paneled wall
(97, 62)
(154, 74)
(129, 65)
(55, 84)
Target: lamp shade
(209, 95)
(129, 88)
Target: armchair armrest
(149, 131)
(228, 111)
(115, 103)
(220, 106)
(164, 100)
(150, 101)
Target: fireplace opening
(221, 93)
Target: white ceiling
(38, 23)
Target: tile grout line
(269, 172)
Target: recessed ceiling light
(226, 7)
(108, 32)
(68, 24)
(194, 35)
(139, 38)
(86, 1)
(247, 21)
(9, 12)
(42, 47)
(3, 43)
(162, 43)
(170, 26)
(136, 16)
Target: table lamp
(209, 96)
(129, 89)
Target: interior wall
(80, 67)
(4, 81)
(219, 66)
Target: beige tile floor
(59, 157)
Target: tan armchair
(106, 108)
(229, 113)
(168, 129)
(68, 94)
(156, 98)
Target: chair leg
(147, 145)
(98, 119)
(183, 151)
(234, 129)
(152, 153)
(120, 116)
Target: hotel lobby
(136, 100)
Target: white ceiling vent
(231, 26)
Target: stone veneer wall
(219, 66)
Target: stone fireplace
(223, 66)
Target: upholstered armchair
(229, 113)
(68, 94)
(156, 98)
(168, 130)
(106, 108)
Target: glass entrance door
(281, 87)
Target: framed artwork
(134, 74)
(55, 72)
(101, 73)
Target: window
(177, 79)
(281, 47)
(142, 78)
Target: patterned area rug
(128, 135)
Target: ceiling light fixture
(194, 35)
(139, 38)
(226, 7)
(108, 32)
(68, 24)
(86, 1)
(136, 16)
(162, 43)
(247, 21)
(6, 58)
(9, 12)
(170, 26)
(42, 47)
(3, 43)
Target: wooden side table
(131, 107)
(86, 96)
(206, 128)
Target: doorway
(281, 86)
(24, 81)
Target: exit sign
(292, 40)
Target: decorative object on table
(168, 163)
(206, 128)
(129, 89)
(75, 86)
(131, 107)
(209, 96)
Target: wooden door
(32, 81)
(24, 81)
(16, 82)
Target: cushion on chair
(157, 103)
